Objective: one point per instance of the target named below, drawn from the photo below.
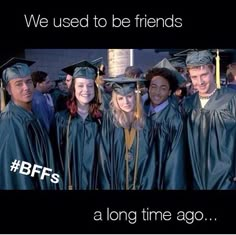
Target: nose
(126, 100)
(156, 91)
(200, 81)
(25, 86)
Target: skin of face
(159, 90)
(127, 102)
(203, 79)
(21, 90)
(68, 80)
(84, 90)
(45, 86)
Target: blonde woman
(127, 150)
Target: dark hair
(38, 77)
(133, 72)
(230, 74)
(93, 105)
(166, 74)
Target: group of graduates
(123, 139)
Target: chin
(27, 100)
(86, 101)
(127, 110)
(157, 103)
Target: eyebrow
(154, 84)
(89, 83)
(18, 81)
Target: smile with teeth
(202, 86)
(27, 94)
(85, 95)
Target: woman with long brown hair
(77, 129)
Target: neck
(130, 116)
(82, 108)
(26, 106)
(208, 96)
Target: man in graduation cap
(181, 81)
(168, 125)
(77, 129)
(128, 159)
(211, 126)
(23, 138)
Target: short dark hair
(133, 72)
(38, 77)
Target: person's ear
(8, 88)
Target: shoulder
(189, 99)
(38, 95)
(226, 91)
(62, 116)
(13, 113)
(107, 115)
(188, 102)
(174, 114)
(15, 120)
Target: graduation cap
(199, 58)
(183, 52)
(124, 85)
(82, 69)
(15, 68)
(232, 58)
(178, 62)
(166, 64)
(98, 63)
(61, 76)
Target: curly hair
(93, 104)
(167, 74)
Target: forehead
(68, 77)
(159, 80)
(129, 94)
(200, 69)
(83, 81)
(12, 81)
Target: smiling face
(21, 90)
(127, 102)
(159, 90)
(203, 79)
(84, 90)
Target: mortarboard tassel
(217, 69)
(138, 98)
(2, 91)
(97, 81)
